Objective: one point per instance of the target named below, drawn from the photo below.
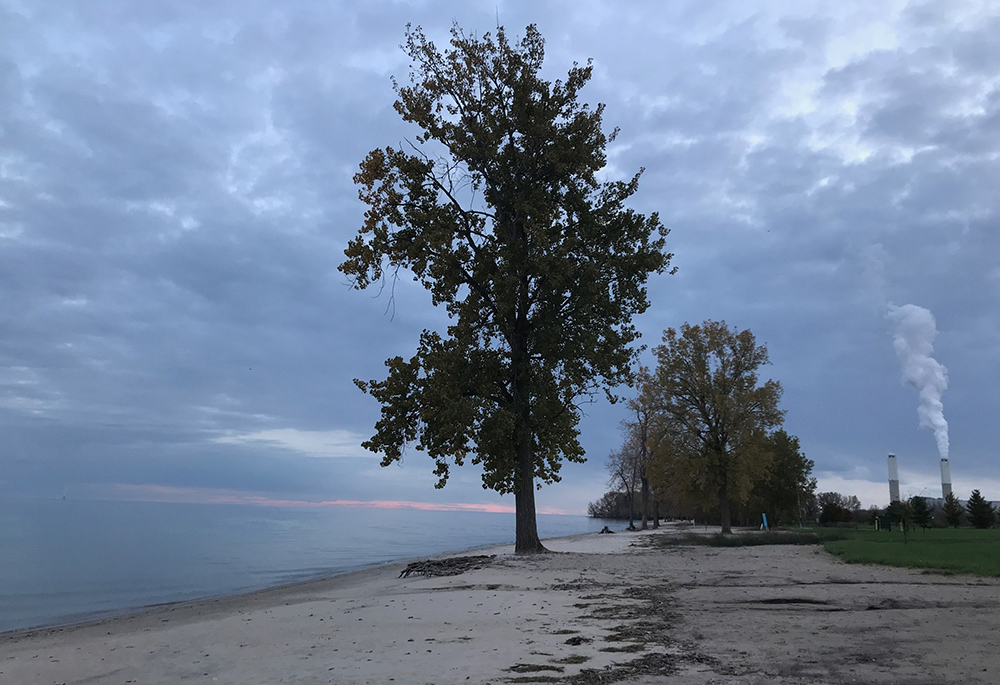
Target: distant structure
(945, 478)
(893, 479)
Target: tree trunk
(724, 514)
(645, 500)
(526, 529)
(631, 509)
(656, 513)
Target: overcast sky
(176, 194)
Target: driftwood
(447, 567)
(606, 531)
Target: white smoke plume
(914, 343)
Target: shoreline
(599, 609)
(78, 560)
(98, 618)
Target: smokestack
(945, 478)
(893, 479)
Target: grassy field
(961, 550)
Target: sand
(601, 609)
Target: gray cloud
(175, 194)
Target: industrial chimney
(893, 480)
(945, 478)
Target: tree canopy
(495, 207)
(921, 513)
(980, 511)
(788, 484)
(837, 508)
(952, 510)
(716, 412)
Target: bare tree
(644, 431)
(625, 469)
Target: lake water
(66, 560)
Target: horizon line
(150, 492)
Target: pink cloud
(167, 493)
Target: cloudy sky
(176, 194)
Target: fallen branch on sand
(447, 567)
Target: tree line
(832, 508)
(704, 437)
(918, 512)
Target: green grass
(961, 550)
(944, 550)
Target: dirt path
(781, 615)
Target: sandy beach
(599, 609)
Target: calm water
(65, 560)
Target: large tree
(495, 207)
(716, 412)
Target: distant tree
(715, 412)
(496, 207)
(641, 431)
(625, 469)
(952, 510)
(901, 513)
(920, 513)
(789, 483)
(811, 509)
(981, 512)
(872, 515)
(613, 504)
(599, 508)
(837, 508)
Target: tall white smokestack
(945, 478)
(893, 479)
